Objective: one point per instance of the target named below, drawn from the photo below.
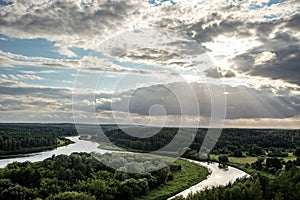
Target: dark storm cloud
(283, 44)
(205, 29)
(293, 23)
(244, 102)
(228, 28)
(185, 26)
(229, 74)
(215, 23)
(285, 66)
(217, 72)
(234, 27)
(152, 54)
(187, 47)
(16, 97)
(157, 56)
(178, 99)
(68, 18)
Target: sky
(206, 63)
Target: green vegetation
(269, 156)
(284, 186)
(297, 152)
(189, 175)
(159, 140)
(63, 142)
(82, 176)
(232, 142)
(236, 160)
(238, 147)
(26, 138)
(109, 146)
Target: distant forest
(27, 138)
(233, 142)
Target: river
(217, 177)
(77, 146)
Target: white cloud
(243, 44)
(264, 57)
(4, 76)
(76, 26)
(66, 52)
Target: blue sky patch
(80, 52)
(38, 47)
(5, 3)
(271, 16)
(55, 77)
(160, 2)
(271, 2)
(255, 6)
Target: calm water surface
(78, 146)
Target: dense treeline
(24, 138)
(233, 142)
(81, 176)
(273, 165)
(274, 143)
(159, 140)
(285, 186)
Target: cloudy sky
(157, 62)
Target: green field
(109, 146)
(189, 175)
(291, 157)
(241, 160)
(250, 159)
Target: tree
(99, 188)
(129, 188)
(273, 162)
(238, 153)
(143, 184)
(16, 192)
(256, 151)
(258, 163)
(223, 158)
(297, 152)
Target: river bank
(217, 177)
(23, 152)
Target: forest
(233, 142)
(29, 138)
(271, 157)
(83, 176)
(284, 186)
(264, 150)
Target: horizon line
(112, 124)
